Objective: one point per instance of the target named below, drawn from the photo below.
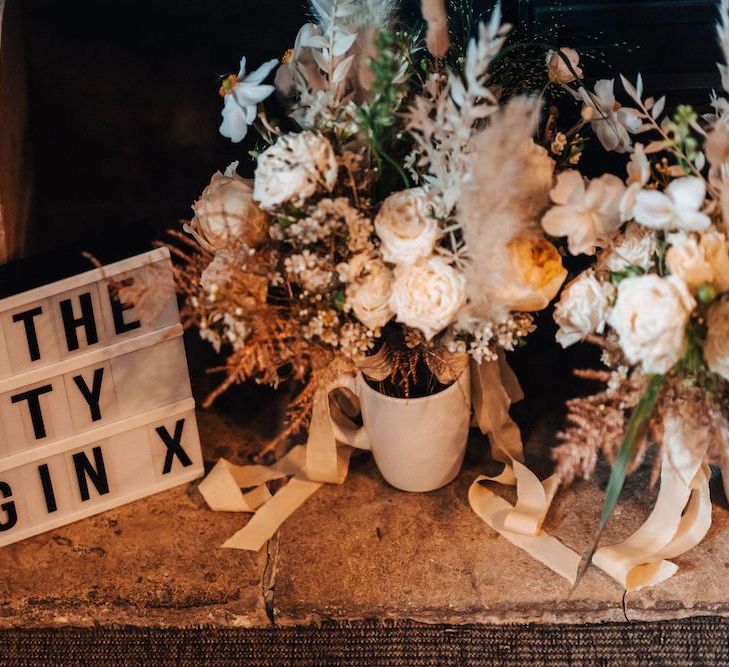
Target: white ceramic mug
(418, 443)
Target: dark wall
(124, 103)
(124, 110)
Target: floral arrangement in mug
(394, 208)
(657, 298)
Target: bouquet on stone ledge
(657, 302)
(393, 212)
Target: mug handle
(347, 433)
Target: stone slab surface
(152, 562)
(357, 551)
(365, 550)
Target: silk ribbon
(679, 521)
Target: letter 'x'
(174, 448)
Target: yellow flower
(539, 274)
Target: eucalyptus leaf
(343, 42)
(340, 71)
(658, 107)
(631, 89)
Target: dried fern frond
(596, 424)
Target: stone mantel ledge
(358, 551)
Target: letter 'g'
(11, 514)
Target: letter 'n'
(95, 473)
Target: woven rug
(696, 641)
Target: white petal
(604, 91)
(604, 193)
(693, 221)
(569, 184)
(262, 72)
(250, 94)
(653, 209)
(234, 125)
(609, 134)
(629, 119)
(582, 240)
(577, 227)
(687, 192)
(627, 201)
(242, 68)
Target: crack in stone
(268, 579)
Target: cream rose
(427, 295)
(699, 260)
(686, 260)
(716, 251)
(637, 247)
(557, 68)
(716, 349)
(406, 227)
(293, 169)
(650, 317)
(369, 296)
(226, 214)
(582, 308)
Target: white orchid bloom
(639, 172)
(587, 214)
(610, 121)
(676, 208)
(241, 95)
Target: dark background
(123, 96)
(124, 112)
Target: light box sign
(96, 408)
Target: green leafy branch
(379, 115)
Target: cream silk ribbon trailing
(679, 521)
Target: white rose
(716, 349)
(637, 247)
(686, 260)
(428, 295)
(582, 308)
(226, 214)
(557, 68)
(406, 227)
(369, 297)
(650, 317)
(293, 169)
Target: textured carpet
(697, 641)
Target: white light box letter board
(96, 408)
